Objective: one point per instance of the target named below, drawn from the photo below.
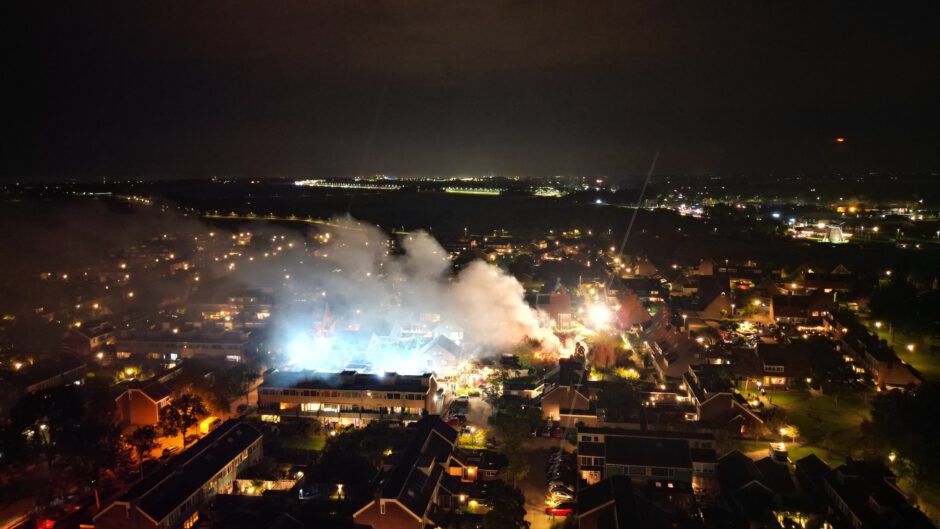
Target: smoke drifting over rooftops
(377, 305)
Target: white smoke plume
(382, 304)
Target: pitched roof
(156, 390)
(615, 489)
(671, 453)
(347, 380)
(419, 465)
(162, 492)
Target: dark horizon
(238, 89)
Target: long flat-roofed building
(174, 495)
(347, 397)
(168, 345)
(644, 455)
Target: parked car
(562, 495)
(558, 490)
(168, 452)
(562, 509)
(148, 466)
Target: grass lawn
(921, 357)
(795, 451)
(927, 496)
(304, 442)
(829, 426)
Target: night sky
(321, 88)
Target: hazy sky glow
(322, 88)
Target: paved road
(535, 487)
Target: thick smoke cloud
(372, 302)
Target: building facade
(348, 397)
(175, 496)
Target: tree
(790, 431)
(180, 415)
(619, 402)
(508, 508)
(142, 440)
(904, 422)
(774, 418)
(513, 428)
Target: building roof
(705, 381)
(776, 476)
(442, 342)
(164, 491)
(868, 489)
(45, 370)
(665, 434)
(671, 453)
(156, 390)
(812, 466)
(419, 466)
(347, 380)
(197, 336)
(795, 360)
(617, 490)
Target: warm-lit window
(191, 521)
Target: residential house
(717, 404)
(777, 366)
(566, 398)
(618, 503)
(866, 493)
(644, 455)
(177, 494)
(408, 488)
(800, 309)
(170, 345)
(90, 337)
(755, 490)
(347, 397)
(141, 402)
(50, 374)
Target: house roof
(156, 390)
(671, 453)
(664, 434)
(42, 371)
(615, 489)
(868, 489)
(812, 466)
(347, 380)
(164, 491)
(776, 476)
(442, 342)
(430, 445)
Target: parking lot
(535, 487)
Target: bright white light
(600, 314)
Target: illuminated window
(191, 521)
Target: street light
(877, 324)
(910, 347)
